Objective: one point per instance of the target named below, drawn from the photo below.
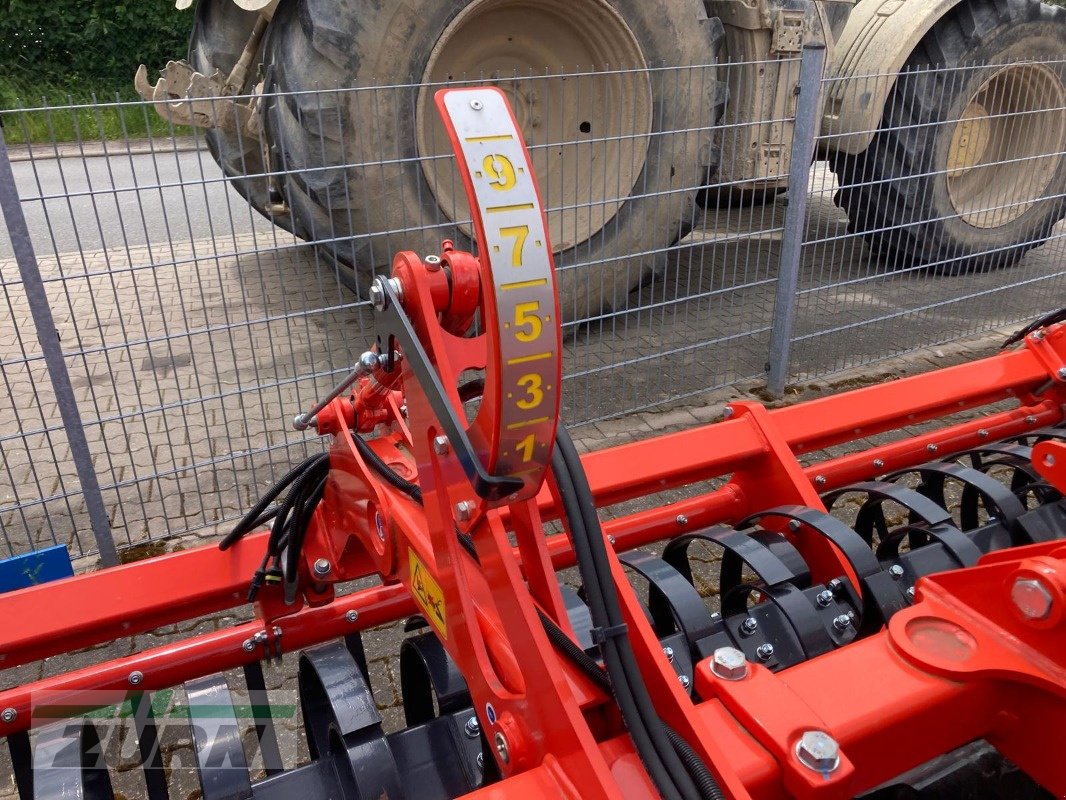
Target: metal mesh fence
(193, 324)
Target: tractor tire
(220, 30)
(968, 169)
(363, 166)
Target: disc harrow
(882, 624)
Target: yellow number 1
(526, 446)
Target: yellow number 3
(500, 171)
(534, 394)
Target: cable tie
(601, 635)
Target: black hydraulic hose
(695, 767)
(569, 457)
(251, 520)
(410, 489)
(578, 657)
(595, 594)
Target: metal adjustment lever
(392, 322)
(367, 363)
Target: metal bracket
(184, 96)
(788, 32)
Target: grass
(44, 113)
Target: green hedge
(82, 45)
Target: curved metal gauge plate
(521, 305)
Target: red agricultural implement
(886, 623)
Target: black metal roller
(68, 763)
(220, 762)
(430, 681)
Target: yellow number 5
(534, 394)
(500, 171)
(526, 314)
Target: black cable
(410, 489)
(596, 595)
(571, 462)
(695, 767)
(251, 520)
(578, 657)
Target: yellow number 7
(519, 232)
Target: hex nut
(819, 751)
(464, 510)
(729, 664)
(322, 568)
(441, 446)
(1032, 598)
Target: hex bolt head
(9, 715)
(1062, 373)
(136, 677)
(377, 295)
(432, 263)
(480, 760)
(1030, 420)
(322, 568)
(464, 510)
(686, 681)
(248, 645)
(820, 480)
(729, 664)
(818, 751)
(501, 747)
(896, 571)
(982, 433)
(749, 625)
(1032, 598)
(834, 585)
(765, 651)
(727, 412)
(878, 463)
(351, 616)
(910, 593)
(794, 525)
(842, 622)
(612, 540)
(932, 448)
(681, 520)
(441, 446)
(472, 728)
(669, 653)
(824, 598)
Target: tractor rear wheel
(968, 169)
(617, 149)
(220, 30)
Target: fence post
(808, 114)
(47, 336)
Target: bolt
(1030, 420)
(878, 463)
(727, 412)
(477, 105)
(931, 448)
(501, 747)
(669, 653)
(441, 446)
(248, 646)
(377, 295)
(472, 728)
(322, 568)
(842, 623)
(351, 616)
(1062, 373)
(685, 681)
(824, 598)
(834, 585)
(749, 625)
(982, 433)
(464, 510)
(896, 571)
(1049, 460)
(432, 263)
(611, 539)
(819, 751)
(820, 480)
(729, 664)
(765, 651)
(135, 677)
(1039, 335)
(910, 593)
(480, 760)
(1031, 597)
(681, 520)
(9, 715)
(794, 525)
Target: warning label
(428, 594)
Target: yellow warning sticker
(428, 594)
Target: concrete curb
(135, 147)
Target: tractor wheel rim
(1007, 145)
(587, 126)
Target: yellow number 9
(500, 171)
